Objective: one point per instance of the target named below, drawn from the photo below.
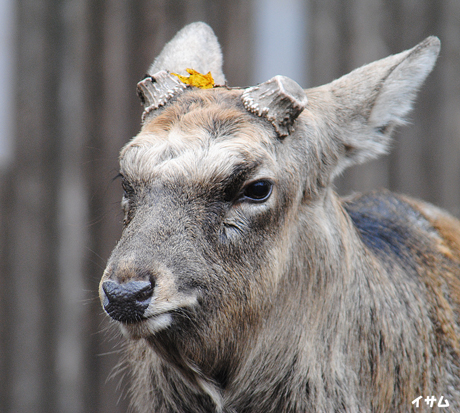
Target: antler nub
(280, 100)
(154, 91)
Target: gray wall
(76, 65)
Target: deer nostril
(127, 302)
(145, 293)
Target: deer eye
(258, 191)
(127, 188)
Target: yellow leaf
(197, 79)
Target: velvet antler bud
(154, 91)
(280, 100)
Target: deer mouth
(147, 326)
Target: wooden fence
(77, 64)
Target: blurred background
(68, 73)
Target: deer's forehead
(204, 143)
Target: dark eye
(127, 188)
(127, 202)
(258, 191)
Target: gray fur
(297, 301)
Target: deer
(243, 282)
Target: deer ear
(195, 47)
(373, 99)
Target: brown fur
(303, 302)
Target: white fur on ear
(195, 47)
(373, 99)
(399, 89)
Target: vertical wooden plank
(71, 218)
(6, 284)
(93, 160)
(328, 36)
(33, 234)
(232, 23)
(7, 62)
(448, 92)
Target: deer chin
(147, 326)
(158, 316)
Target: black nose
(127, 302)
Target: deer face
(207, 210)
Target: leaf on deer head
(197, 79)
